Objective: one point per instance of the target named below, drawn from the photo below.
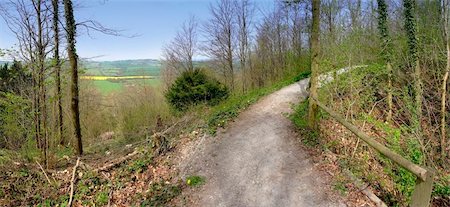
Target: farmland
(113, 76)
(146, 67)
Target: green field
(108, 86)
(114, 76)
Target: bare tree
(220, 33)
(331, 11)
(244, 13)
(178, 55)
(274, 31)
(354, 7)
(295, 25)
(73, 59)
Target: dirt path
(256, 161)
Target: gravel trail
(257, 161)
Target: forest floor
(258, 161)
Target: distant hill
(122, 67)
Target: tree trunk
(230, 58)
(41, 83)
(312, 112)
(444, 82)
(73, 59)
(418, 93)
(57, 66)
(443, 104)
(387, 51)
(411, 30)
(389, 90)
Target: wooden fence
(424, 184)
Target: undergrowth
(392, 183)
(308, 136)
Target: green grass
(108, 86)
(299, 118)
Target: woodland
(63, 143)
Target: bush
(194, 87)
(15, 120)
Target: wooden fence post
(421, 196)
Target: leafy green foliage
(140, 165)
(194, 87)
(195, 180)
(14, 78)
(442, 187)
(407, 147)
(15, 120)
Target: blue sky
(155, 22)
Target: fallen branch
(116, 162)
(363, 188)
(72, 182)
(45, 174)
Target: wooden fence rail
(424, 184)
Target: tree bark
(41, 82)
(73, 59)
(444, 82)
(389, 91)
(57, 65)
(312, 112)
